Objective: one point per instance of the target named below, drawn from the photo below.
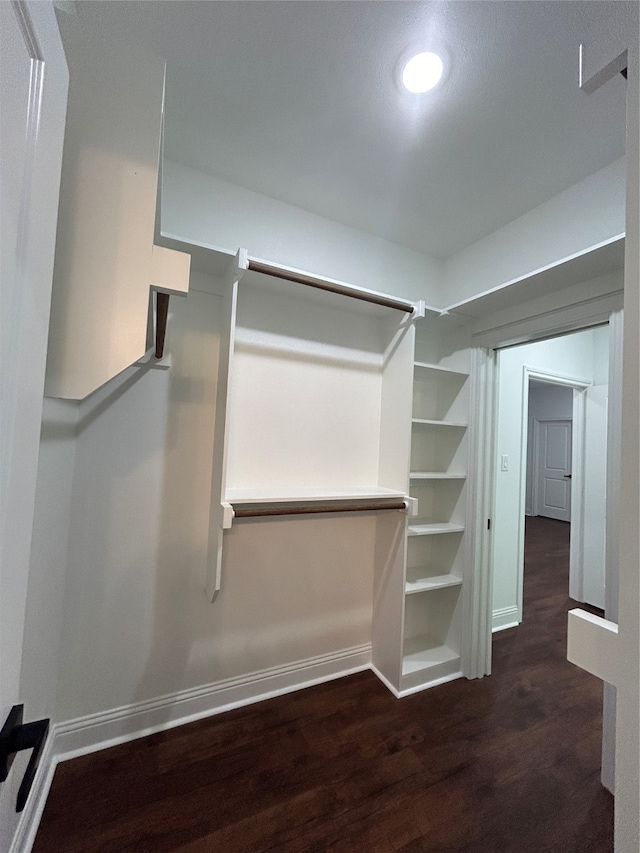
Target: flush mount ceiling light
(422, 72)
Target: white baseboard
(99, 731)
(505, 617)
(385, 681)
(29, 821)
(102, 730)
(409, 691)
(444, 679)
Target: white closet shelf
(431, 528)
(431, 422)
(436, 475)
(298, 495)
(424, 365)
(419, 654)
(435, 582)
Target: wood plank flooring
(506, 763)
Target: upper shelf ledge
(589, 264)
(297, 494)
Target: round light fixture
(422, 72)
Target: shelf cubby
(439, 394)
(433, 559)
(440, 499)
(431, 649)
(311, 404)
(438, 447)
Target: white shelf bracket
(412, 506)
(241, 264)
(227, 515)
(419, 310)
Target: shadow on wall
(184, 501)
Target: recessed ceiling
(300, 101)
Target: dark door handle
(16, 736)
(567, 476)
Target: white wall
(551, 402)
(49, 555)
(129, 620)
(204, 209)
(572, 356)
(582, 216)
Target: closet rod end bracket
(412, 506)
(227, 515)
(419, 310)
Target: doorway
(549, 450)
(573, 485)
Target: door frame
(483, 478)
(27, 283)
(576, 539)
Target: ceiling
(300, 101)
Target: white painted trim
(120, 725)
(583, 253)
(585, 306)
(592, 644)
(505, 617)
(612, 553)
(535, 453)
(608, 763)
(98, 731)
(386, 681)
(418, 688)
(579, 387)
(217, 512)
(476, 650)
(614, 464)
(29, 822)
(576, 539)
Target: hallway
(507, 764)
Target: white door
(33, 99)
(553, 487)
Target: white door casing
(553, 469)
(595, 496)
(33, 107)
(576, 462)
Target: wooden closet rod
(162, 311)
(304, 510)
(344, 290)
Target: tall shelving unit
(335, 404)
(435, 564)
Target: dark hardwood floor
(506, 763)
